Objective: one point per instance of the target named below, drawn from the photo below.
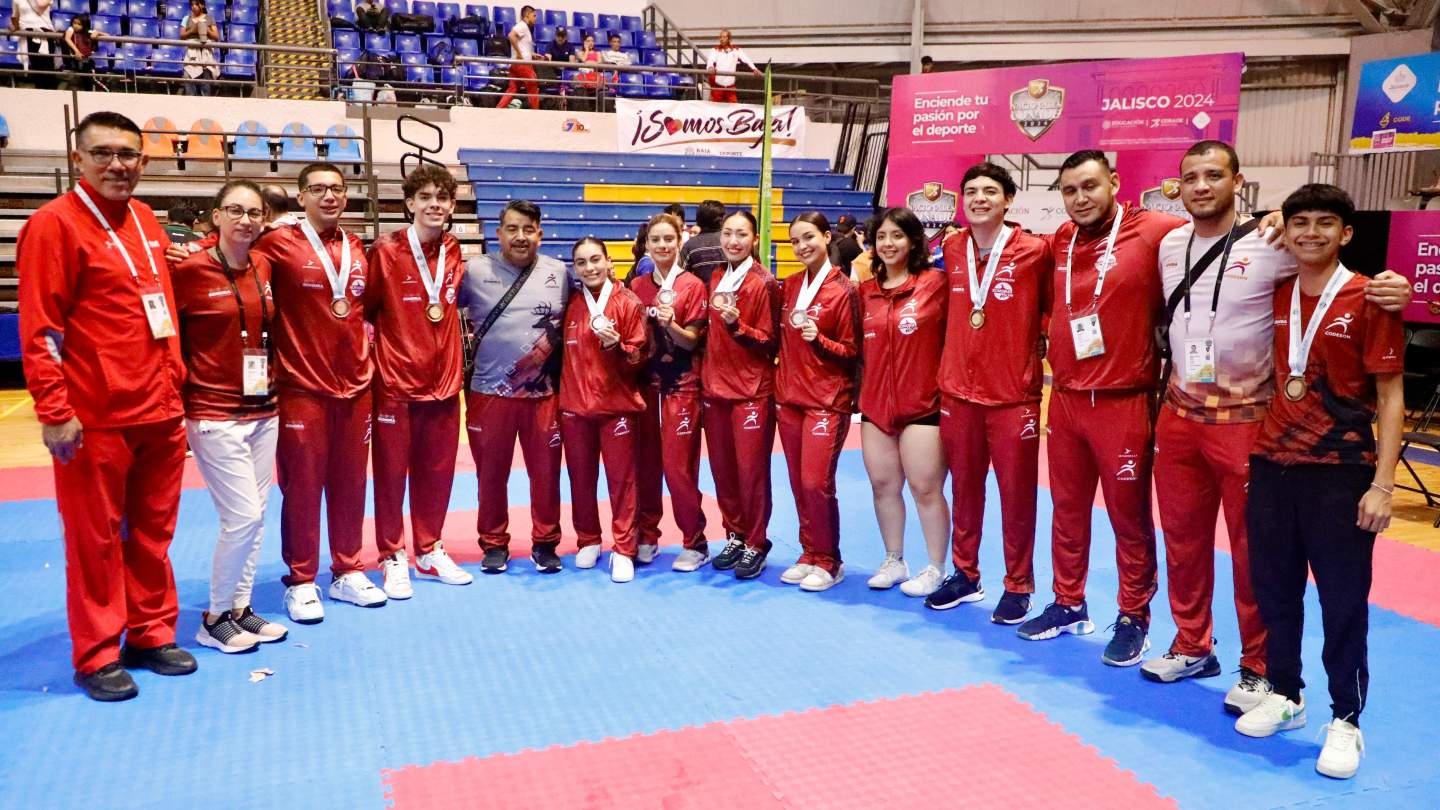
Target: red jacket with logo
(416, 359)
(740, 357)
(672, 368)
(904, 332)
(595, 381)
(822, 373)
(212, 303)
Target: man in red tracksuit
(417, 387)
(102, 362)
(1107, 301)
(321, 283)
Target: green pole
(765, 176)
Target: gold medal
(798, 318)
(340, 307)
(435, 313)
(977, 318)
(1295, 388)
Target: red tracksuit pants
(740, 436)
(522, 74)
(1104, 438)
(1007, 436)
(587, 439)
(118, 499)
(494, 423)
(322, 450)
(1199, 469)
(812, 439)
(669, 442)
(414, 441)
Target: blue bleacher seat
(144, 27)
(345, 39)
(238, 65)
(655, 57)
(472, 10)
(245, 3)
(4, 128)
(241, 33)
(59, 19)
(407, 43)
(448, 11)
(477, 76)
(169, 60)
(176, 10)
(379, 43)
(657, 85)
(253, 142)
(245, 15)
(609, 22)
(105, 24)
(466, 47)
(344, 58)
(544, 33)
(450, 76)
(73, 6)
(645, 39)
(9, 52)
(426, 7)
(632, 24)
(332, 6)
(432, 39)
(136, 56)
(583, 19)
(141, 8)
(503, 15)
(398, 6)
(110, 8)
(631, 85)
(419, 74)
(344, 14)
(344, 147)
(104, 55)
(634, 54)
(297, 142)
(556, 18)
(412, 58)
(170, 29)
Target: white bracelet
(1390, 491)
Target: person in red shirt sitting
(227, 319)
(815, 388)
(601, 404)
(904, 331)
(738, 384)
(670, 428)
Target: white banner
(704, 128)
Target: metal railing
(685, 51)
(1375, 181)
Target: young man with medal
(416, 432)
(1322, 473)
(102, 362)
(322, 284)
(990, 385)
(516, 298)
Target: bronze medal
(435, 313)
(1295, 388)
(977, 318)
(722, 299)
(339, 307)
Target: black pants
(1305, 515)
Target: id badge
(156, 312)
(256, 373)
(1200, 360)
(1086, 333)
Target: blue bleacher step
(498, 193)
(612, 175)
(514, 157)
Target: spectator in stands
(862, 266)
(927, 65)
(34, 15)
(277, 207)
(203, 227)
(721, 62)
(644, 265)
(373, 16)
(79, 53)
(846, 246)
(702, 255)
(180, 224)
(562, 50)
(201, 64)
(587, 79)
(678, 211)
(522, 46)
(614, 55)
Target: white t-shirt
(612, 57)
(31, 19)
(726, 61)
(524, 45)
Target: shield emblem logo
(934, 205)
(1170, 187)
(932, 191)
(1036, 107)
(1165, 198)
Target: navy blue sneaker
(1012, 608)
(729, 557)
(1130, 641)
(956, 588)
(1057, 619)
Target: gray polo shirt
(520, 355)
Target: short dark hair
(846, 224)
(526, 10)
(710, 215)
(561, 32)
(248, 185)
(277, 199)
(1078, 159)
(105, 118)
(677, 209)
(183, 214)
(914, 230)
(926, 60)
(524, 208)
(318, 166)
(614, 36)
(1320, 197)
(997, 173)
(1210, 145)
(427, 174)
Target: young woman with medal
(738, 386)
(600, 404)
(222, 295)
(669, 430)
(815, 392)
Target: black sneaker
(1055, 620)
(108, 684)
(730, 556)
(545, 559)
(752, 562)
(167, 659)
(955, 589)
(496, 561)
(1012, 608)
(1130, 641)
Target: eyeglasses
(319, 189)
(103, 157)
(237, 212)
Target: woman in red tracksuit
(815, 390)
(737, 382)
(905, 319)
(600, 403)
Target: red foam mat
(854, 756)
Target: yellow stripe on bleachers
(691, 195)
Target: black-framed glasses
(103, 156)
(237, 212)
(319, 189)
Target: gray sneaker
(690, 559)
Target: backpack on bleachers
(412, 23)
(442, 54)
(497, 46)
(471, 27)
(377, 67)
(341, 24)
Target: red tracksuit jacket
(84, 338)
(999, 363)
(740, 357)
(824, 373)
(595, 381)
(211, 303)
(316, 352)
(416, 359)
(671, 368)
(904, 333)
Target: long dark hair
(594, 240)
(745, 214)
(909, 224)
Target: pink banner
(1414, 252)
(1151, 179)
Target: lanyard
(115, 238)
(809, 288)
(980, 288)
(337, 282)
(1106, 261)
(240, 303)
(667, 282)
(1300, 346)
(734, 276)
(432, 282)
(597, 306)
(1219, 279)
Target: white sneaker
(820, 580)
(438, 565)
(1275, 713)
(891, 571)
(622, 568)
(225, 635)
(303, 604)
(1344, 745)
(690, 560)
(1247, 693)
(796, 573)
(1172, 667)
(587, 556)
(924, 583)
(396, 570)
(357, 589)
(645, 553)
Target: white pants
(237, 461)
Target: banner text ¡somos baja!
(705, 128)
